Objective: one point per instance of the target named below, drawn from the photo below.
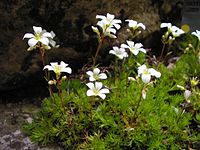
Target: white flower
(175, 31)
(197, 34)
(109, 20)
(146, 73)
(38, 36)
(107, 30)
(96, 75)
(134, 47)
(107, 23)
(133, 24)
(95, 89)
(58, 68)
(119, 52)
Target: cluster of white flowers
(42, 37)
(96, 88)
(108, 25)
(172, 32)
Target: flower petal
(155, 73)
(90, 85)
(44, 41)
(90, 73)
(102, 76)
(98, 85)
(28, 35)
(103, 96)
(67, 70)
(47, 34)
(32, 42)
(163, 25)
(96, 71)
(104, 91)
(146, 78)
(90, 93)
(48, 67)
(37, 30)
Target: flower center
(96, 91)
(96, 76)
(146, 72)
(37, 36)
(57, 70)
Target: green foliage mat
(164, 120)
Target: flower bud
(144, 94)
(52, 82)
(187, 94)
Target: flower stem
(163, 48)
(60, 94)
(43, 63)
(138, 105)
(97, 52)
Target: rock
(71, 21)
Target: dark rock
(71, 20)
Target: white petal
(124, 46)
(63, 64)
(47, 34)
(104, 91)
(130, 43)
(138, 45)
(168, 25)
(100, 17)
(90, 93)
(92, 78)
(32, 42)
(52, 34)
(48, 67)
(52, 42)
(142, 50)
(98, 85)
(155, 73)
(112, 52)
(37, 30)
(54, 64)
(141, 69)
(103, 96)
(112, 30)
(28, 35)
(135, 52)
(141, 25)
(68, 70)
(44, 41)
(117, 26)
(90, 85)
(146, 78)
(117, 21)
(96, 71)
(102, 76)
(90, 73)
